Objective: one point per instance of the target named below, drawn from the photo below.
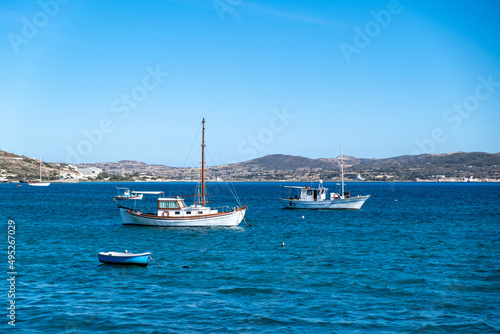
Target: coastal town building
(89, 172)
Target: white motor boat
(124, 193)
(316, 198)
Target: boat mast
(203, 164)
(342, 171)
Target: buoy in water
(282, 244)
(302, 217)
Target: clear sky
(96, 81)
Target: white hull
(40, 184)
(232, 218)
(352, 203)
(138, 197)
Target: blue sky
(96, 81)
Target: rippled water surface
(417, 258)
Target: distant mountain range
(455, 166)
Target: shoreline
(252, 181)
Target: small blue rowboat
(126, 259)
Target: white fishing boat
(316, 198)
(39, 183)
(125, 193)
(173, 211)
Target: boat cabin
(176, 207)
(308, 193)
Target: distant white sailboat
(39, 183)
(315, 198)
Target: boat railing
(227, 208)
(147, 210)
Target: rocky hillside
(428, 166)
(13, 167)
(445, 167)
(457, 165)
(454, 166)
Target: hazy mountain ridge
(425, 166)
(456, 165)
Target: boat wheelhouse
(309, 194)
(176, 207)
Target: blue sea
(417, 258)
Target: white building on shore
(89, 172)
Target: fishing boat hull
(137, 197)
(232, 218)
(351, 203)
(127, 259)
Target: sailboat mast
(342, 171)
(203, 164)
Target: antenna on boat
(342, 171)
(203, 164)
